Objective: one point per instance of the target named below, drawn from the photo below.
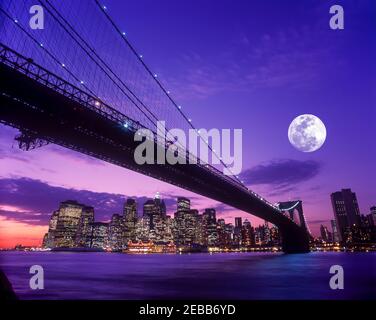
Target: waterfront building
(67, 224)
(154, 209)
(210, 227)
(372, 216)
(346, 212)
(49, 237)
(129, 220)
(99, 235)
(143, 228)
(237, 237)
(248, 235)
(186, 227)
(183, 204)
(116, 233)
(334, 231)
(275, 236)
(160, 206)
(324, 232)
(83, 231)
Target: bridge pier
(294, 240)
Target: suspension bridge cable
(100, 67)
(100, 59)
(103, 9)
(46, 50)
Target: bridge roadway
(63, 115)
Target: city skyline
(139, 209)
(73, 226)
(148, 227)
(326, 76)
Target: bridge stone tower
(290, 207)
(294, 240)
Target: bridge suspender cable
(105, 12)
(100, 59)
(45, 49)
(101, 68)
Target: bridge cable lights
(154, 75)
(150, 72)
(54, 58)
(91, 50)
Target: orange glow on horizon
(13, 232)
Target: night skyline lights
(73, 226)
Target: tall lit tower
(346, 211)
(184, 204)
(130, 220)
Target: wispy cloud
(32, 201)
(290, 58)
(283, 174)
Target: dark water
(196, 276)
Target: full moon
(307, 133)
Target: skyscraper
(184, 204)
(115, 233)
(143, 228)
(67, 224)
(248, 235)
(83, 232)
(334, 230)
(324, 233)
(149, 210)
(49, 238)
(346, 212)
(99, 235)
(160, 205)
(238, 231)
(154, 208)
(129, 220)
(238, 222)
(210, 224)
(372, 216)
(186, 223)
(70, 226)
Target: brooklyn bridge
(81, 84)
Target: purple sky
(253, 65)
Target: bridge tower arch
(292, 207)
